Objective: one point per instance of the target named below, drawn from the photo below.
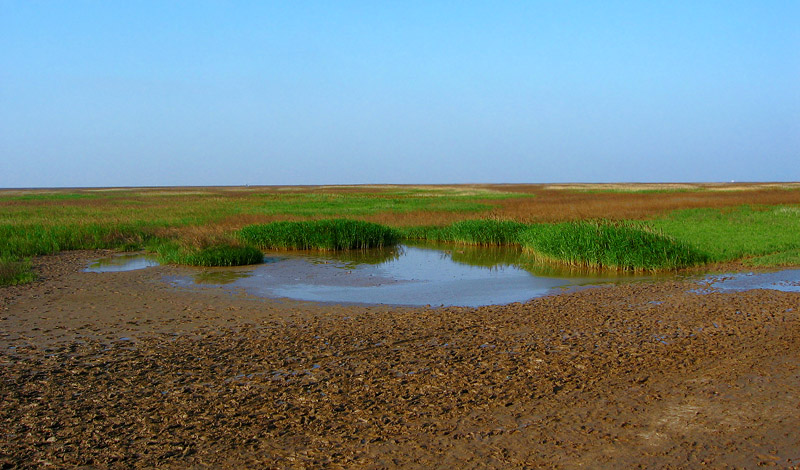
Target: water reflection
(350, 259)
(418, 274)
(500, 256)
(219, 277)
(119, 263)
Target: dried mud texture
(120, 370)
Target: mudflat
(123, 370)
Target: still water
(405, 275)
(787, 280)
(422, 274)
(119, 263)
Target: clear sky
(139, 93)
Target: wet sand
(122, 370)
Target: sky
(98, 94)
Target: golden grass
(560, 205)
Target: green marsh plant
(324, 235)
(605, 245)
(216, 255)
(15, 271)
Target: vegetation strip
(325, 235)
(600, 245)
(215, 255)
(203, 226)
(472, 232)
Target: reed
(40, 239)
(215, 255)
(324, 235)
(620, 246)
(483, 232)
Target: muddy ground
(121, 370)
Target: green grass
(598, 245)
(40, 223)
(783, 258)
(177, 208)
(15, 271)
(471, 232)
(325, 235)
(215, 255)
(766, 234)
(48, 197)
(37, 222)
(39, 239)
(620, 246)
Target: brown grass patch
(559, 205)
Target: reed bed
(471, 232)
(604, 245)
(216, 255)
(324, 235)
(595, 245)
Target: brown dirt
(600, 378)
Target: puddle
(219, 277)
(413, 275)
(120, 263)
(787, 280)
(229, 275)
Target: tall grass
(215, 255)
(471, 232)
(15, 271)
(40, 239)
(620, 246)
(596, 245)
(326, 235)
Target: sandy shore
(121, 370)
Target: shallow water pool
(412, 275)
(120, 263)
(422, 274)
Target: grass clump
(15, 271)
(599, 245)
(325, 235)
(215, 255)
(471, 232)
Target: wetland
(176, 366)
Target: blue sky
(227, 93)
